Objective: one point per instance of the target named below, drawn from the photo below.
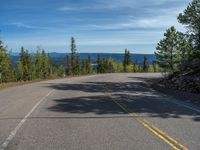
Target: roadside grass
(20, 83)
(13, 84)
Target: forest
(39, 66)
(176, 54)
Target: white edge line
(177, 102)
(13, 133)
(184, 105)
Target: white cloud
(107, 42)
(28, 26)
(118, 4)
(22, 25)
(66, 8)
(158, 22)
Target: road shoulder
(180, 95)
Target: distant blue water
(119, 57)
(60, 57)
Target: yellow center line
(163, 136)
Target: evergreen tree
(128, 58)
(166, 54)
(191, 19)
(58, 71)
(44, 65)
(38, 64)
(135, 66)
(145, 64)
(110, 65)
(125, 60)
(50, 67)
(25, 65)
(184, 52)
(73, 56)
(154, 66)
(84, 67)
(77, 66)
(69, 66)
(89, 65)
(99, 64)
(4, 64)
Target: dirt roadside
(184, 96)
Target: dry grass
(13, 84)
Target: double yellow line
(163, 136)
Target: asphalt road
(99, 112)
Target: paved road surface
(99, 112)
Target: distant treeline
(58, 58)
(40, 66)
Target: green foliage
(191, 19)
(88, 65)
(180, 52)
(118, 66)
(112, 66)
(25, 65)
(136, 67)
(100, 65)
(127, 61)
(39, 66)
(145, 64)
(153, 67)
(4, 64)
(74, 58)
(58, 71)
(184, 52)
(167, 50)
(69, 65)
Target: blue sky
(98, 25)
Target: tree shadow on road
(156, 83)
(133, 95)
(80, 105)
(100, 86)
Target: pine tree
(73, 56)
(135, 66)
(191, 19)
(110, 65)
(77, 66)
(25, 65)
(154, 65)
(145, 64)
(69, 66)
(98, 63)
(166, 54)
(125, 60)
(38, 64)
(184, 52)
(44, 66)
(83, 67)
(128, 58)
(4, 64)
(50, 67)
(89, 65)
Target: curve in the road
(159, 133)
